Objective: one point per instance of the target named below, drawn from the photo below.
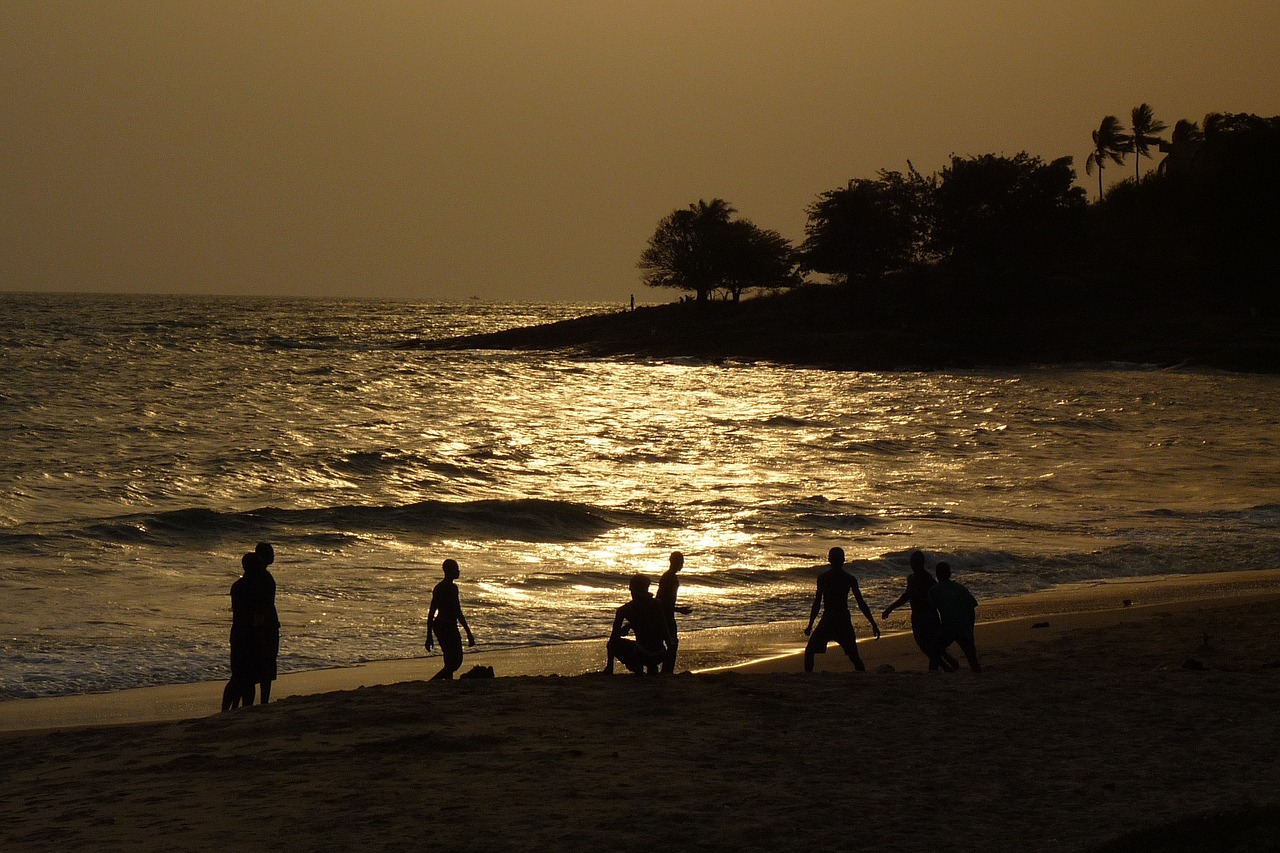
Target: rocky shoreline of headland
(835, 328)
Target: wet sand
(1104, 720)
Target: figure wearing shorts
(836, 625)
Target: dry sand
(1108, 719)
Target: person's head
(917, 561)
(451, 570)
(251, 562)
(836, 556)
(265, 552)
(677, 561)
(944, 571)
(639, 586)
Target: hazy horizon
(526, 150)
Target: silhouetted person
(266, 621)
(957, 611)
(836, 625)
(668, 590)
(443, 618)
(245, 657)
(643, 615)
(924, 617)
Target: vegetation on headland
(994, 260)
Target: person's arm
(471, 641)
(813, 611)
(866, 611)
(902, 599)
(618, 620)
(431, 618)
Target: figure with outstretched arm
(643, 615)
(443, 618)
(668, 590)
(832, 600)
(924, 616)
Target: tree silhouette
(1110, 142)
(703, 248)
(1182, 148)
(1143, 136)
(1007, 212)
(757, 257)
(869, 227)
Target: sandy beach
(1092, 719)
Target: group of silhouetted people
(942, 612)
(652, 619)
(255, 631)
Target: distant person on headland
(668, 590)
(443, 618)
(924, 617)
(836, 625)
(957, 612)
(245, 657)
(266, 621)
(643, 615)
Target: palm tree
(1181, 149)
(1110, 142)
(1145, 128)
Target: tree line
(1203, 223)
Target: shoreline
(772, 647)
(795, 328)
(1093, 727)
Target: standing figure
(924, 617)
(643, 615)
(443, 619)
(245, 658)
(266, 621)
(832, 599)
(957, 611)
(668, 589)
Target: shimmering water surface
(150, 441)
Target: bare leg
(970, 653)
(669, 662)
(445, 674)
(810, 649)
(851, 650)
(231, 695)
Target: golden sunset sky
(525, 149)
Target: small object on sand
(1040, 625)
(1192, 663)
(1128, 602)
(885, 668)
(478, 671)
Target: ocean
(150, 441)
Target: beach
(1092, 719)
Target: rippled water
(150, 441)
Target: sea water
(150, 441)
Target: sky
(526, 149)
